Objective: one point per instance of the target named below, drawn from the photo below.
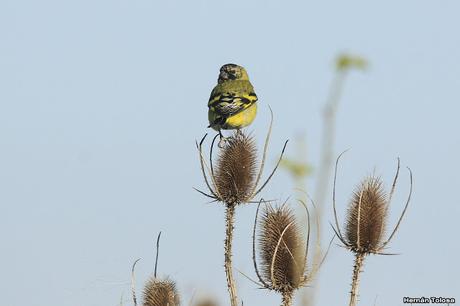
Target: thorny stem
(229, 221)
(287, 298)
(355, 281)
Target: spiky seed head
(160, 293)
(236, 169)
(280, 239)
(367, 216)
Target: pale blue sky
(101, 102)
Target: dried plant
(157, 292)
(367, 215)
(160, 293)
(283, 245)
(283, 251)
(366, 220)
(234, 181)
(236, 169)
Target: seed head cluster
(236, 169)
(282, 251)
(160, 293)
(367, 215)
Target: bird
(232, 104)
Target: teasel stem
(229, 226)
(287, 298)
(359, 260)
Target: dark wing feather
(230, 103)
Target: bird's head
(232, 72)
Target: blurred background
(101, 103)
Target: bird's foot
(222, 142)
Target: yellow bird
(232, 104)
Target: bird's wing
(231, 102)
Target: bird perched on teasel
(232, 104)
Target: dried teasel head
(235, 172)
(160, 293)
(367, 215)
(282, 250)
(236, 178)
(157, 292)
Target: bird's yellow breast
(241, 119)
